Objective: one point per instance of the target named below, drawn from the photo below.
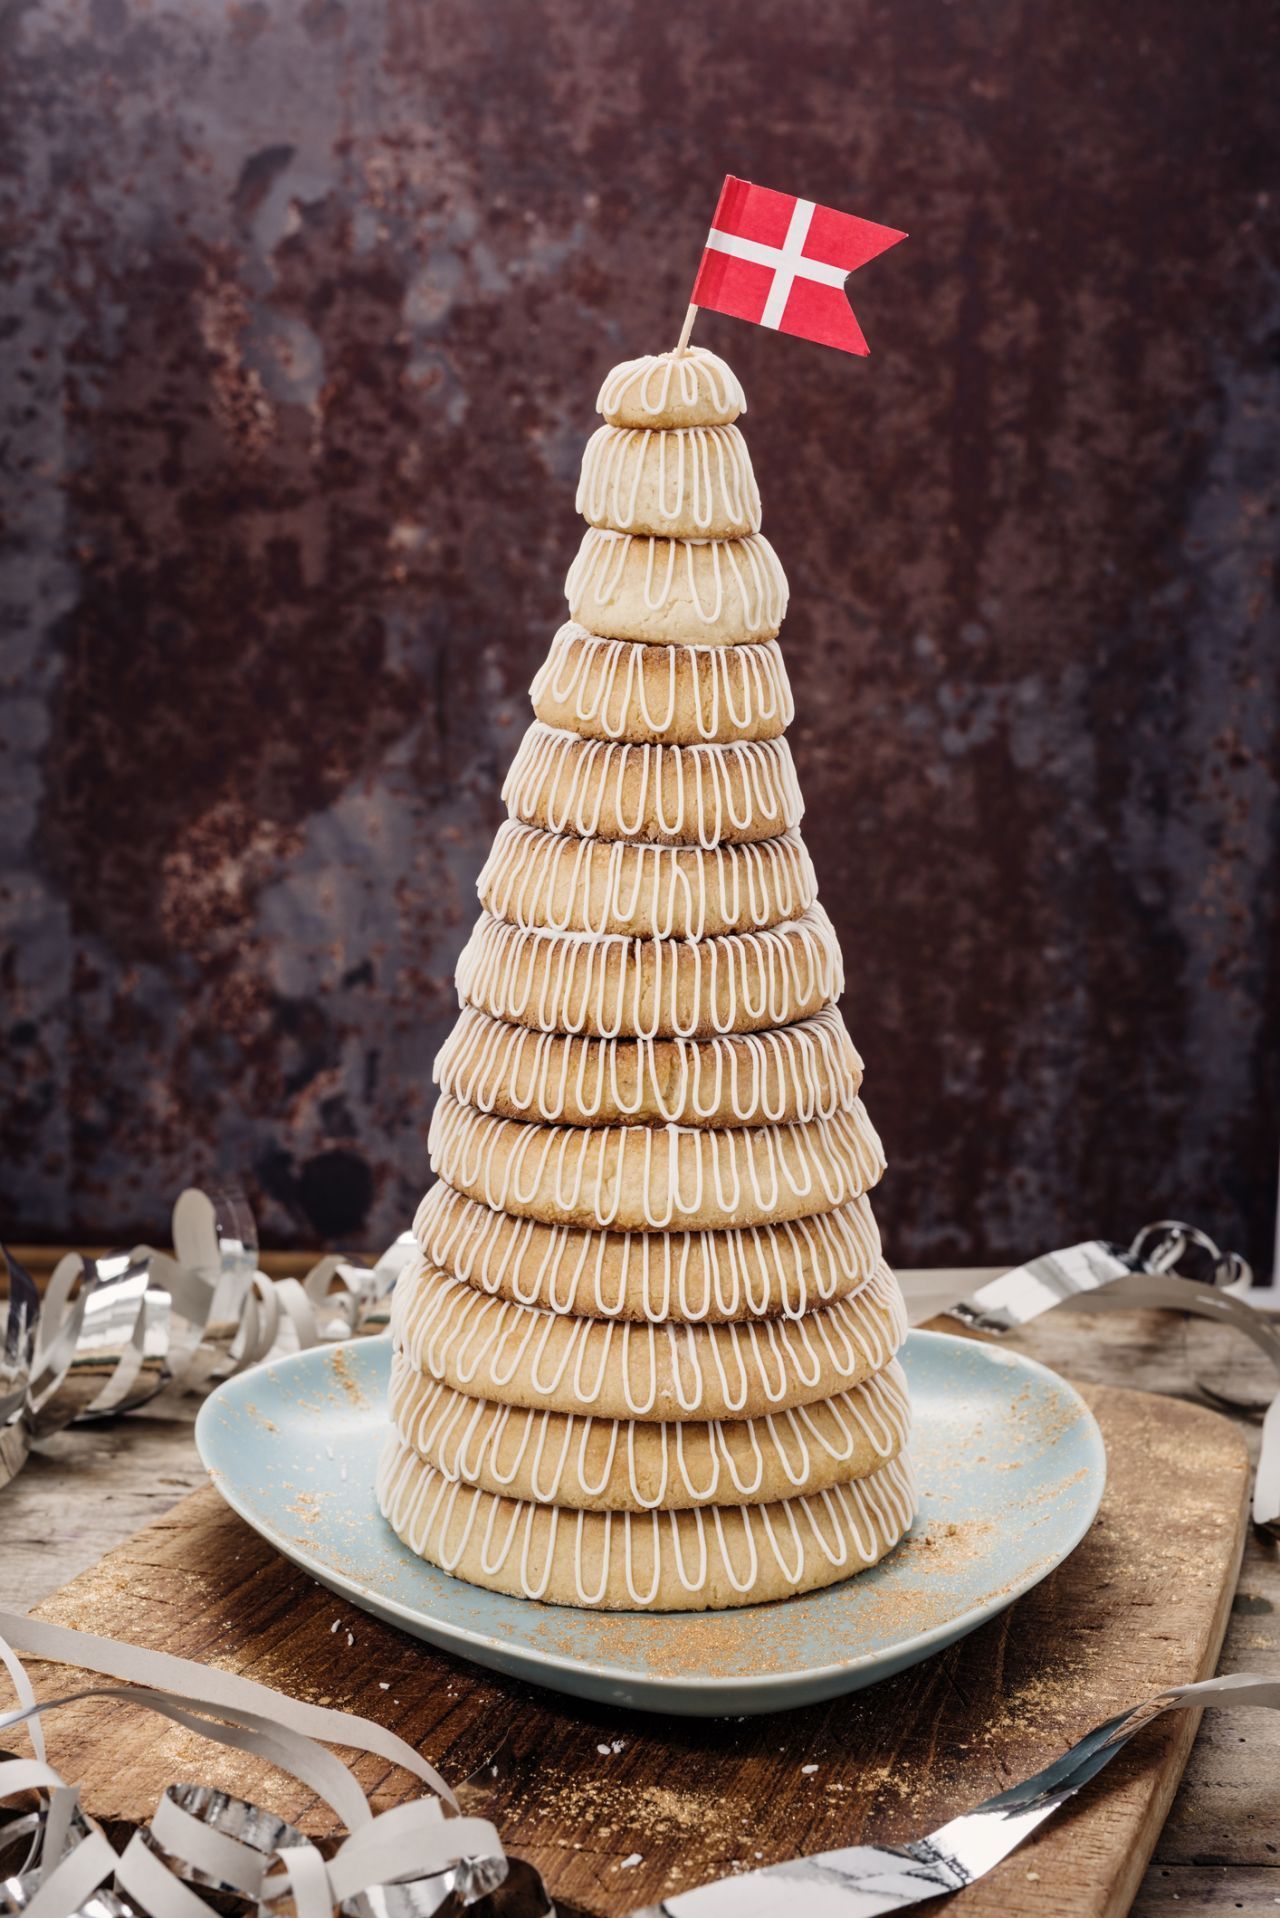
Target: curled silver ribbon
(113, 1333)
(1099, 1276)
(871, 1881)
(413, 1860)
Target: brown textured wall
(304, 305)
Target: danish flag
(782, 262)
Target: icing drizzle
(544, 1551)
(617, 687)
(648, 1177)
(644, 988)
(634, 1368)
(694, 480)
(737, 579)
(685, 795)
(542, 879)
(570, 1458)
(756, 1271)
(644, 386)
(802, 1072)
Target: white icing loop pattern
(651, 1178)
(617, 689)
(682, 795)
(756, 1271)
(670, 1561)
(557, 881)
(803, 1072)
(658, 385)
(694, 480)
(645, 1356)
(625, 1368)
(710, 577)
(613, 986)
(574, 1459)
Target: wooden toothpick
(689, 318)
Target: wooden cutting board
(617, 1809)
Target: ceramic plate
(1011, 1468)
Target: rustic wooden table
(87, 1490)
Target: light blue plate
(1011, 1468)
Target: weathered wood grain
(581, 1789)
(1220, 1849)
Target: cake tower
(646, 1358)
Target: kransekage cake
(646, 1357)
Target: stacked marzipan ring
(645, 1361)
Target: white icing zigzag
(807, 1071)
(652, 374)
(669, 566)
(702, 472)
(713, 1462)
(612, 985)
(753, 1271)
(563, 883)
(696, 794)
(625, 1368)
(650, 1178)
(607, 681)
(521, 1542)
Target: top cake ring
(694, 482)
(664, 390)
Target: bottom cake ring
(709, 1559)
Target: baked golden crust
(667, 390)
(637, 1178)
(797, 1073)
(690, 482)
(665, 795)
(622, 1368)
(652, 988)
(700, 1560)
(762, 1271)
(638, 1465)
(717, 592)
(677, 695)
(559, 882)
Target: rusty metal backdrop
(303, 306)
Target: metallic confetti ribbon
(113, 1333)
(409, 1862)
(1098, 1276)
(419, 1859)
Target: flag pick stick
(689, 318)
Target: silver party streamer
(414, 1860)
(113, 1333)
(417, 1859)
(1098, 1276)
(866, 1881)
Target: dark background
(304, 307)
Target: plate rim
(917, 1645)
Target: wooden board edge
(1169, 1775)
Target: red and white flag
(782, 262)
